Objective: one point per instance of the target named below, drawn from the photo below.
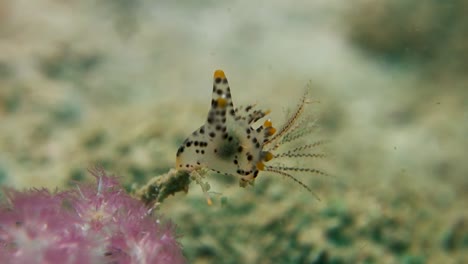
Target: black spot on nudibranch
(212, 134)
(217, 80)
(225, 81)
(219, 92)
(255, 174)
(202, 130)
(180, 150)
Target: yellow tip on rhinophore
(268, 156)
(270, 131)
(209, 201)
(219, 74)
(222, 102)
(260, 165)
(267, 123)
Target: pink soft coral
(91, 224)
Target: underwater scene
(319, 132)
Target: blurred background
(122, 83)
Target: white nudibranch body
(227, 143)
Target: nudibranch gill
(228, 143)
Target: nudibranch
(228, 143)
